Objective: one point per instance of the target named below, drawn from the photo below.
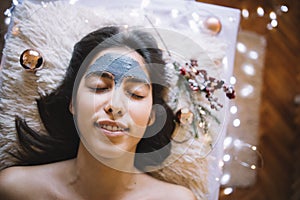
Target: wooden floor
(280, 116)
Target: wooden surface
(280, 116)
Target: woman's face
(114, 103)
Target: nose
(114, 111)
(115, 106)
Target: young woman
(112, 98)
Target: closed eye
(135, 96)
(137, 91)
(99, 89)
(99, 84)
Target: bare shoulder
(14, 182)
(27, 182)
(180, 192)
(165, 190)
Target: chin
(102, 150)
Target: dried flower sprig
(199, 81)
(195, 81)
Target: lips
(111, 127)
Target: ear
(151, 118)
(71, 107)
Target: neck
(96, 179)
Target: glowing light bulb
(274, 23)
(273, 15)
(231, 19)
(260, 11)
(7, 20)
(233, 109)
(221, 164)
(236, 122)
(15, 2)
(284, 8)
(226, 157)
(241, 47)
(7, 13)
(225, 63)
(228, 191)
(245, 13)
(247, 90)
(269, 26)
(253, 55)
(237, 143)
(249, 69)
(232, 80)
(227, 142)
(225, 179)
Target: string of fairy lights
(249, 69)
(272, 15)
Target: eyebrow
(130, 79)
(102, 74)
(137, 80)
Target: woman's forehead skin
(120, 66)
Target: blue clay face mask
(120, 66)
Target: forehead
(122, 52)
(120, 63)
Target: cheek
(88, 101)
(83, 104)
(140, 112)
(87, 104)
(82, 111)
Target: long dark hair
(61, 141)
